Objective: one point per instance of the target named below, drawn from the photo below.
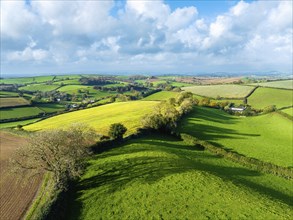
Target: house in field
(238, 109)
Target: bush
(117, 130)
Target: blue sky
(149, 37)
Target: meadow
(6, 94)
(160, 177)
(19, 112)
(162, 95)
(39, 87)
(12, 102)
(224, 91)
(263, 97)
(50, 107)
(283, 84)
(100, 118)
(67, 82)
(15, 123)
(25, 80)
(267, 137)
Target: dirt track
(15, 194)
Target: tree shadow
(115, 174)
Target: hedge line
(249, 162)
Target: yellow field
(100, 118)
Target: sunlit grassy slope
(267, 137)
(263, 97)
(100, 118)
(286, 84)
(163, 95)
(160, 177)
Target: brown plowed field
(15, 194)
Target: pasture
(39, 87)
(159, 177)
(12, 102)
(19, 112)
(25, 80)
(15, 123)
(15, 193)
(6, 94)
(50, 107)
(224, 91)
(283, 84)
(100, 118)
(162, 95)
(263, 97)
(67, 82)
(266, 137)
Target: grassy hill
(19, 112)
(128, 113)
(39, 87)
(163, 95)
(225, 91)
(263, 97)
(267, 137)
(12, 102)
(288, 111)
(160, 177)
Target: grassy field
(68, 82)
(267, 137)
(73, 89)
(39, 87)
(284, 84)
(12, 102)
(19, 112)
(263, 97)
(225, 91)
(50, 107)
(163, 95)
(162, 178)
(100, 118)
(288, 111)
(15, 193)
(14, 124)
(5, 94)
(24, 80)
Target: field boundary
(249, 162)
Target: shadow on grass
(114, 174)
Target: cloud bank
(144, 37)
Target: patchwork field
(19, 112)
(5, 94)
(68, 82)
(263, 97)
(163, 95)
(50, 107)
(283, 84)
(24, 80)
(15, 194)
(100, 118)
(12, 102)
(267, 137)
(160, 177)
(39, 87)
(225, 91)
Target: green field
(181, 84)
(19, 112)
(68, 82)
(50, 107)
(288, 111)
(5, 94)
(24, 80)
(283, 84)
(263, 97)
(266, 137)
(163, 95)
(12, 102)
(39, 87)
(73, 89)
(162, 178)
(14, 124)
(100, 118)
(225, 91)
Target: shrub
(117, 130)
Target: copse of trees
(167, 113)
(59, 152)
(116, 131)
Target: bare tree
(60, 152)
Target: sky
(145, 37)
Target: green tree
(117, 130)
